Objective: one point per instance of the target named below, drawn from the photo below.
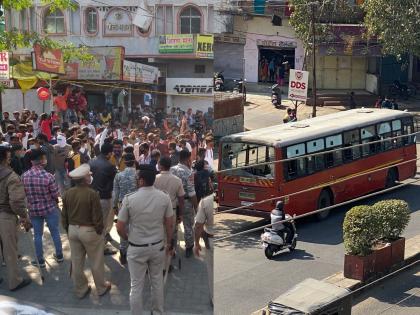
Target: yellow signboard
(204, 46)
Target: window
(408, 128)
(24, 20)
(32, 17)
(396, 131)
(333, 158)
(75, 23)
(295, 168)
(315, 163)
(54, 22)
(190, 20)
(368, 134)
(164, 20)
(384, 131)
(199, 69)
(8, 19)
(91, 18)
(351, 138)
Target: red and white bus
(252, 182)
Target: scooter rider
(277, 215)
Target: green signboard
(176, 43)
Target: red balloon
(43, 93)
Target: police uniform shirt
(144, 211)
(187, 178)
(205, 214)
(170, 184)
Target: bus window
(368, 134)
(295, 168)
(384, 132)
(351, 138)
(247, 155)
(315, 163)
(396, 131)
(333, 158)
(408, 128)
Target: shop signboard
(189, 86)
(298, 85)
(7, 83)
(107, 65)
(118, 22)
(4, 65)
(48, 60)
(176, 43)
(138, 72)
(276, 43)
(204, 46)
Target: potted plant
(360, 230)
(393, 216)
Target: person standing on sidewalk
(42, 194)
(148, 214)
(184, 172)
(83, 222)
(12, 205)
(204, 223)
(124, 183)
(103, 173)
(172, 185)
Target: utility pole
(313, 62)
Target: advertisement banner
(298, 85)
(189, 86)
(106, 66)
(4, 65)
(146, 74)
(48, 60)
(129, 71)
(204, 47)
(176, 43)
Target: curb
(412, 254)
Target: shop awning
(26, 77)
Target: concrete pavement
(187, 290)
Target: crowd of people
(273, 70)
(150, 169)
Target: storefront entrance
(284, 60)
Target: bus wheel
(391, 178)
(325, 200)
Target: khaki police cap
(80, 172)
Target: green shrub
(393, 216)
(360, 229)
(365, 225)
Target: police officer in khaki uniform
(148, 214)
(184, 172)
(204, 221)
(82, 219)
(172, 185)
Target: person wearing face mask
(82, 219)
(116, 158)
(10, 132)
(103, 173)
(32, 145)
(49, 152)
(144, 151)
(184, 172)
(42, 194)
(61, 151)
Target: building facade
(170, 35)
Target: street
(246, 281)
(398, 295)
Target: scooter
(274, 239)
(219, 82)
(240, 87)
(276, 96)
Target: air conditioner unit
(143, 17)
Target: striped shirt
(41, 191)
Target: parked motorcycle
(276, 95)
(276, 238)
(219, 82)
(240, 87)
(397, 89)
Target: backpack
(202, 184)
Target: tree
(395, 24)
(13, 39)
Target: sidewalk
(186, 291)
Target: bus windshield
(247, 154)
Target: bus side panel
(408, 170)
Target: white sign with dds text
(4, 65)
(298, 85)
